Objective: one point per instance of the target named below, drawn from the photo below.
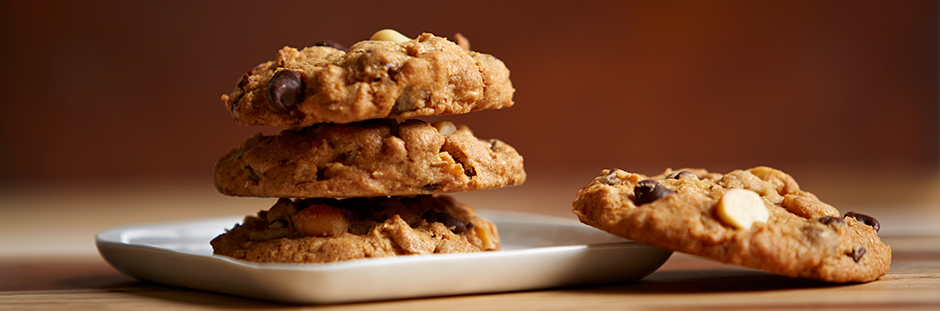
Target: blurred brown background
(129, 90)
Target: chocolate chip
(331, 43)
(865, 219)
(831, 219)
(286, 90)
(455, 225)
(649, 190)
(857, 253)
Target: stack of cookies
(354, 178)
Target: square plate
(537, 252)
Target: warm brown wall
(130, 89)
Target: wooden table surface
(48, 259)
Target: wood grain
(683, 282)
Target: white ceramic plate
(537, 252)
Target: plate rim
(109, 241)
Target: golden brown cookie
(425, 76)
(329, 230)
(367, 159)
(757, 218)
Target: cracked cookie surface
(425, 76)
(330, 230)
(366, 159)
(797, 236)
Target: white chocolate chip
(446, 128)
(389, 35)
(740, 208)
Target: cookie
(366, 159)
(757, 218)
(425, 76)
(329, 230)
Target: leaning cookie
(377, 78)
(757, 218)
(329, 230)
(367, 159)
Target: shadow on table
(707, 281)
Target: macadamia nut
(389, 35)
(321, 220)
(446, 128)
(740, 208)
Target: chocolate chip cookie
(366, 159)
(378, 78)
(758, 218)
(329, 230)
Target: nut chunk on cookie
(757, 218)
(328, 230)
(390, 76)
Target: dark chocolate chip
(831, 219)
(649, 190)
(857, 253)
(285, 90)
(331, 43)
(455, 225)
(865, 219)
